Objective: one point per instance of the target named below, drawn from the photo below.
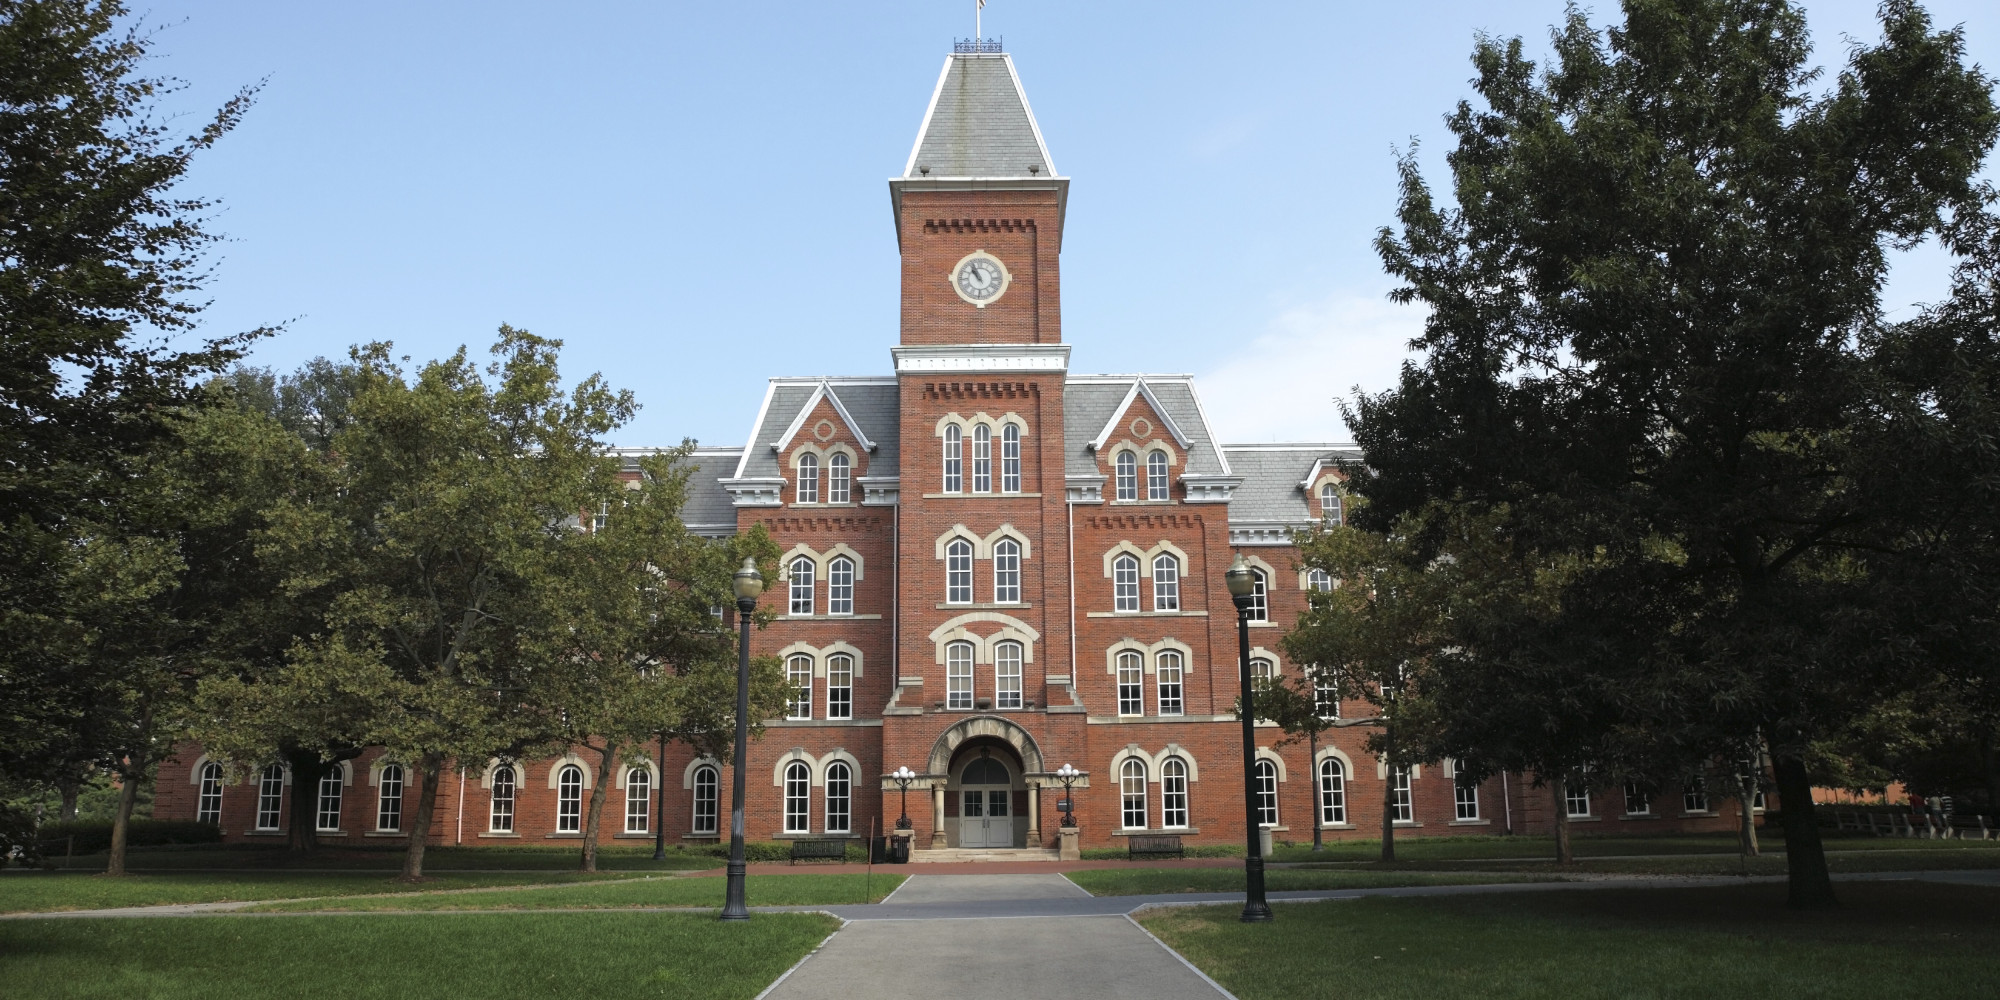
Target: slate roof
(871, 401)
(1271, 476)
(979, 124)
(708, 504)
(1090, 401)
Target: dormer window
(1329, 503)
(1127, 468)
(1156, 475)
(837, 479)
(808, 491)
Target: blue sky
(693, 197)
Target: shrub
(95, 835)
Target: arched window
(1127, 468)
(1010, 459)
(1166, 583)
(638, 800)
(802, 585)
(389, 798)
(808, 491)
(958, 572)
(840, 686)
(1173, 794)
(1329, 503)
(1131, 683)
(569, 799)
(327, 818)
(982, 459)
(798, 798)
(839, 791)
(707, 799)
(958, 675)
(837, 479)
(1124, 584)
(1332, 792)
(1156, 475)
(799, 672)
(1263, 673)
(1319, 580)
(270, 796)
(840, 586)
(1464, 794)
(208, 802)
(502, 814)
(1007, 675)
(1167, 667)
(1399, 785)
(1260, 604)
(1132, 790)
(954, 460)
(1007, 572)
(1267, 793)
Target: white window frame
(1573, 793)
(1125, 474)
(1464, 797)
(958, 571)
(808, 490)
(801, 576)
(500, 807)
(208, 801)
(1319, 580)
(706, 818)
(1132, 794)
(389, 799)
(1332, 792)
(1260, 597)
(838, 489)
(1010, 459)
(1267, 792)
(958, 687)
(271, 797)
(839, 686)
(1330, 506)
(638, 800)
(1694, 796)
(1131, 683)
(954, 459)
(1404, 809)
(569, 799)
(1125, 583)
(1166, 582)
(1635, 793)
(840, 586)
(1326, 693)
(1007, 572)
(798, 797)
(839, 797)
(1173, 794)
(799, 677)
(1157, 487)
(1170, 681)
(982, 459)
(1007, 658)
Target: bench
(1168, 846)
(819, 850)
(1966, 827)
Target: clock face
(980, 278)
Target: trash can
(899, 850)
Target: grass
(1521, 846)
(615, 857)
(42, 892)
(1148, 881)
(1695, 943)
(759, 890)
(1704, 864)
(670, 955)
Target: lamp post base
(732, 906)
(1255, 909)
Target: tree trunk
(430, 768)
(1989, 762)
(302, 836)
(1388, 796)
(121, 821)
(1318, 845)
(69, 788)
(598, 793)
(1810, 884)
(1560, 788)
(1746, 803)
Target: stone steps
(975, 854)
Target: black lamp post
(1243, 591)
(1068, 775)
(660, 814)
(902, 776)
(749, 584)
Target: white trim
(931, 110)
(645, 764)
(1022, 93)
(976, 358)
(823, 390)
(556, 766)
(756, 424)
(1278, 761)
(1139, 388)
(687, 773)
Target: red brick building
(994, 566)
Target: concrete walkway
(980, 954)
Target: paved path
(979, 954)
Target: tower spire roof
(979, 125)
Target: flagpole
(977, 31)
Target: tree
(1295, 704)
(1643, 354)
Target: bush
(753, 850)
(95, 835)
(1193, 851)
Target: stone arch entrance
(986, 776)
(992, 727)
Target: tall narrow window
(638, 800)
(1010, 459)
(1007, 572)
(389, 799)
(707, 786)
(1464, 794)
(1263, 673)
(1319, 580)
(802, 585)
(569, 799)
(1173, 794)
(839, 797)
(1329, 503)
(1132, 792)
(1156, 475)
(1332, 792)
(208, 802)
(1260, 605)
(601, 518)
(958, 572)
(1127, 467)
(1007, 675)
(1267, 793)
(1131, 683)
(1638, 802)
(837, 490)
(270, 796)
(1125, 584)
(798, 798)
(799, 672)
(1326, 693)
(958, 675)
(501, 816)
(1170, 671)
(1166, 583)
(840, 586)
(954, 460)
(808, 491)
(1399, 784)
(982, 459)
(1694, 797)
(1576, 798)
(328, 814)
(840, 686)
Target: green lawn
(1694, 943)
(46, 891)
(759, 890)
(1148, 881)
(672, 955)
(1487, 848)
(614, 857)
(1707, 864)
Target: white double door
(985, 818)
